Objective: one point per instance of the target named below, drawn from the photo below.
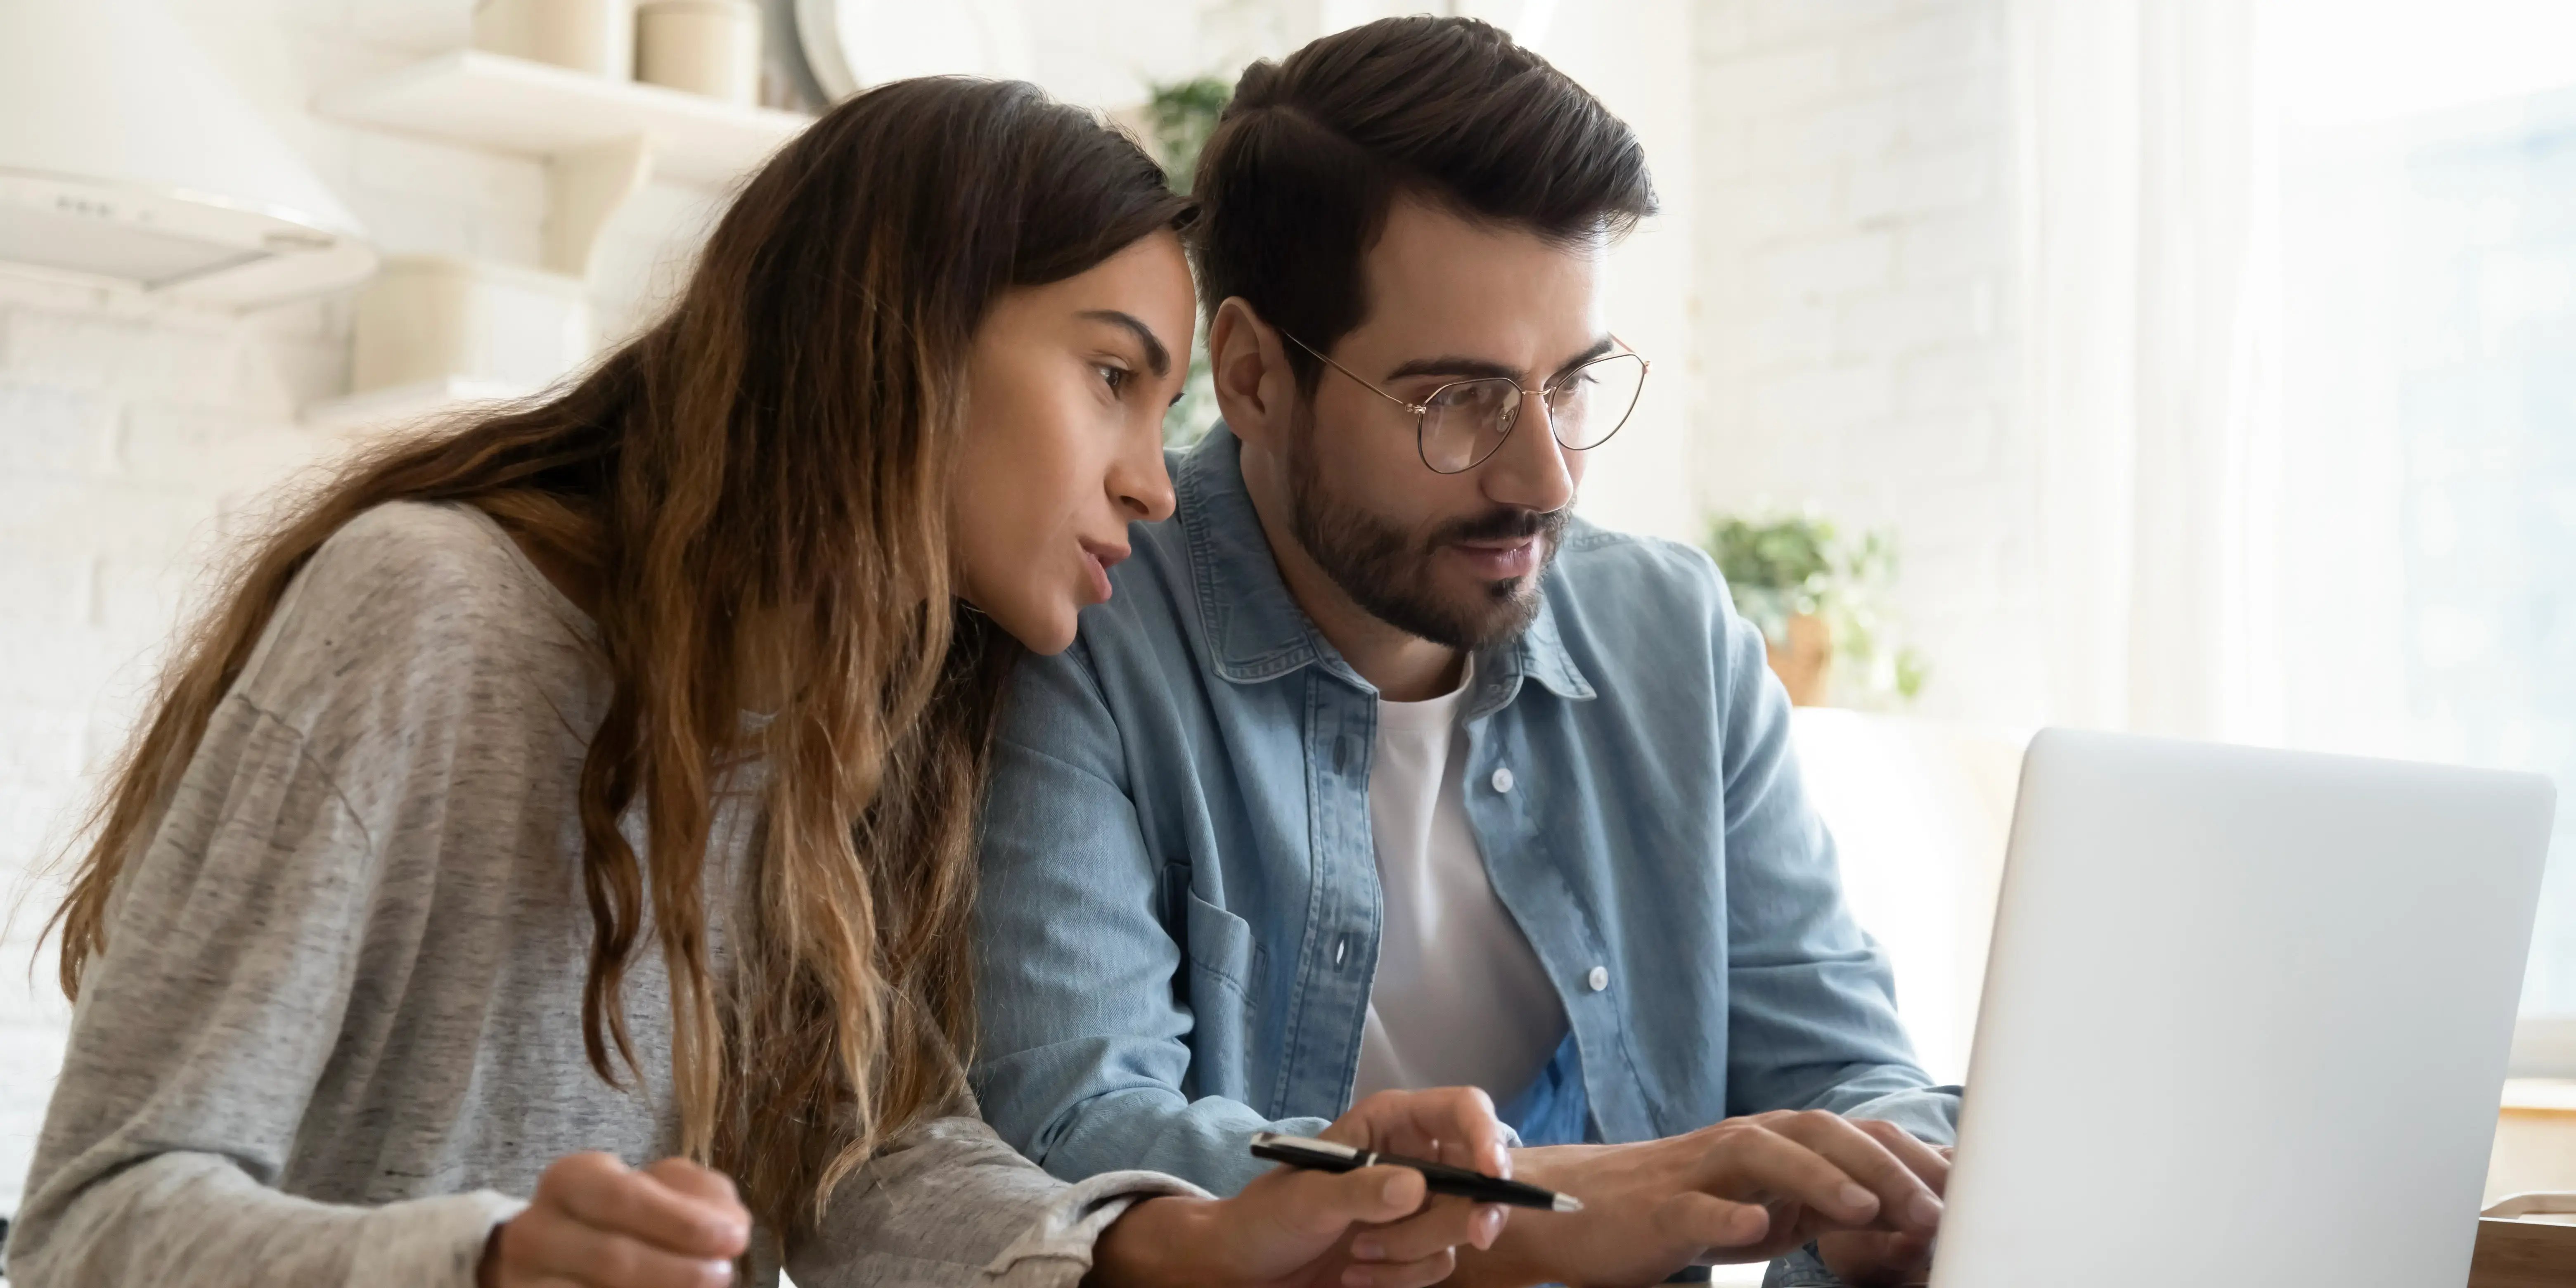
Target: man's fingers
(1694, 1220)
(1402, 1274)
(1931, 1166)
(1877, 1259)
(1754, 1163)
(600, 1192)
(1453, 1125)
(1903, 1200)
(1445, 1223)
(587, 1255)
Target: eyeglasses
(1460, 424)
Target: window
(2429, 419)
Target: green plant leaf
(1780, 567)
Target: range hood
(127, 160)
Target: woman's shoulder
(444, 548)
(412, 596)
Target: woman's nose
(1143, 487)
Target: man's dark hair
(1297, 179)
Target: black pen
(1325, 1156)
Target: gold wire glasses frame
(1460, 425)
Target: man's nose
(1530, 470)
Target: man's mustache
(1508, 523)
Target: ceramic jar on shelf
(595, 36)
(427, 318)
(709, 47)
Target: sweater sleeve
(200, 1034)
(947, 1203)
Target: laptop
(2245, 1019)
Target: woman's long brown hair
(756, 491)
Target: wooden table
(2523, 1254)
(2511, 1254)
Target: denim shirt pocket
(1226, 966)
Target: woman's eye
(1115, 377)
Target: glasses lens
(1464, 422)
(1594, 400)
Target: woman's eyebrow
(1156, 356)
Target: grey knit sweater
(337, 1026)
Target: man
(1382, 771)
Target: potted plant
(1813, 593)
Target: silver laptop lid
(2245, 1019)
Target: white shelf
(404, 404)
(601, 141)
(538, 110)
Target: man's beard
(1389, 574)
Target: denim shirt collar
(1256, 632)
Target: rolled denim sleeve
(1812, 1020)
(1084, 1042)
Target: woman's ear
(1253, 382)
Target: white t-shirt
(1459, 999)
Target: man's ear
(1250, 367)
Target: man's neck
(1403, 666)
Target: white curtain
(2150, 289)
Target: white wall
(1854, 225)
(1637, 57)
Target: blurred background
(2192, 367)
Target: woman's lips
(1099, 559)
(1500, 561)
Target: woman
(594, 784)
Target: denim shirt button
(1599, 979)
(1341, 950)
(1503, 780)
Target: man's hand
(1301, 1229)
(1876, 1258)
(1747, 1189)
(596, 1223)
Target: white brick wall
(134, 439)
(1854, 230)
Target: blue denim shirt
(1180, 911)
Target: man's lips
(1500, 560)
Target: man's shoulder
(1609, 576)
(1625, 607)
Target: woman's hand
(597, 1223)
(1292, 1228)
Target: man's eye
(1473, 395)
